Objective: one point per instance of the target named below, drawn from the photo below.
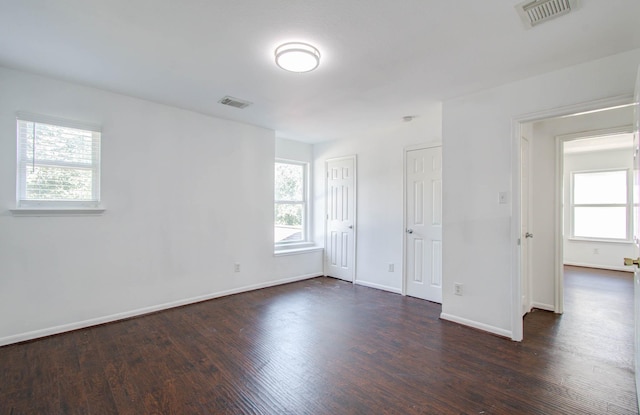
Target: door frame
(560, 140)
(406, 150)
(516, 220)
(528, 244)
(355, 210)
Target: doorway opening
(546, 134)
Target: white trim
(599, 266)
(636, 275)
(61, 122)
(558, 276)
(57, 212)
(576, 109)
(517, 329)
(516, 132)
(527, 292)
(420, 146)
(542, 306)
(405, 150)
(624, 129)
(378, 286)
(477, 325)
(306, 211)
(298, 251)
(16, 338)
(600, 240)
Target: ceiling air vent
(235, 102)
(535, 12)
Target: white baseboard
(16, 338)
(378, 286)
(477, 325)
(609, 267)
(542, 306)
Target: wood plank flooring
(323, 346)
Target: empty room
(318, 207)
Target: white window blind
(58, 163)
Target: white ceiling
(381, 59)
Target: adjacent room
(318, 207)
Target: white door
(423, 233)
(636, 227)
(526, 235)
(340, 246)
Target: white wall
(544, 203)
(187, 196)
(294, 150)
(379, 194)
(607, 255)
(478, 163)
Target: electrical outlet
(457, 288)
(391, 267)
(236, 267)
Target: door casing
(636, 227)
(525, 218)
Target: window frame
(24, 204)
(305, 242)
(628, 206)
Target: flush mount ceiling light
(297, 57)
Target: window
(601, 205)
(58, 163)
(290, 207)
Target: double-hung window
(290, 203)
(58, 163)
(601, 205)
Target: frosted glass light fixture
(297, 57)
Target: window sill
(600, 241)
(57, 211)
(282, 251)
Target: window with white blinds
(58, 163)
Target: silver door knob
(528, 235)
(350, 226)
(409, 231)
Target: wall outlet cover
(457, 288)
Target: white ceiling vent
(234, 102)
(535, 12)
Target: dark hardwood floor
(323, 346)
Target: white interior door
(340, 244)
(423, 233)
(526, 233)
